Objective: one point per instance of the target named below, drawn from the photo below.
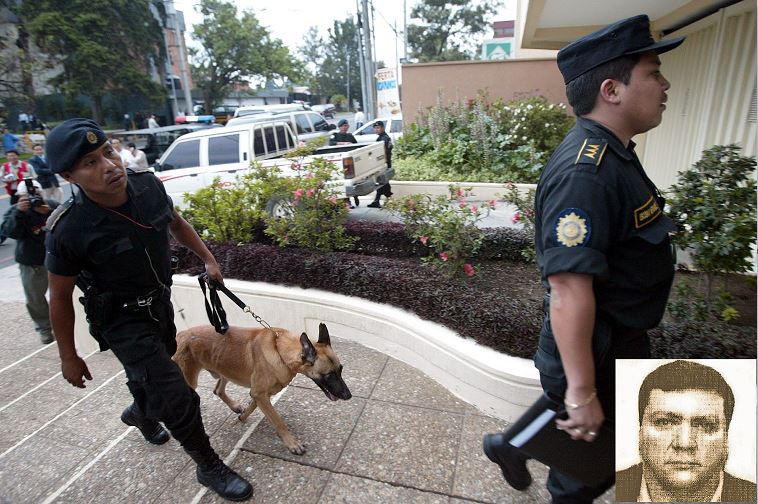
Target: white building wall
(713, 80)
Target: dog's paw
(238, 409)
(297, 448)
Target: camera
(35, 200)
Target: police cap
(342, 122)
(628, 36)
(70, 140)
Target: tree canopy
(446, 26)
(234, 50)
(103, 45)
(335, 61)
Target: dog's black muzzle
(333, 386)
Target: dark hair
(38, 145)
(12, 150)
(131, 144)
(379, 123)
(582, 92)
(686, 375)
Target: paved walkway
(401, 438)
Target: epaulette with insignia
(59, 212)
(592, 151)
(135, 171)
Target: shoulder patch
(572, 228)
(647, 213)
(591, 151)
(136, 171)
(59, 212)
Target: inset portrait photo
(685, 430)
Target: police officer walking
(112, 239)
(386, 189)
(601, 237)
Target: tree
(103, 45)
(234, 50)
(335, 61)
(445, 27)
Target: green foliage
(446, 27)
(103, 45)
(339, 100)
(524, 214)
(446, 225)
(316, 215)
(714, 206)
(233, 50)
(477, 141)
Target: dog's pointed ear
(309, 352)
(323, 334)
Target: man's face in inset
(683, 438)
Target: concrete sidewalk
(401, 438)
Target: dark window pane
(303, 126)
(184, 155)
(224, 149)
(397, 126)
(319, 123)
(270, 141)
(281, 137)
(258, 143)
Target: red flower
(516, 217)
(444, 256)
(424, 239)
(468, 269)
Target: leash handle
(213, 308)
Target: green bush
(446, 225)
(714, 207)
(478, 141)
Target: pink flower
(516, 217)
(462, 204)
(460, 193)
(468, 269)
(474, 209)
(299, 193)
(311, 192)
(424, 239)
(444, 256)
(493, 203)
(333, 199)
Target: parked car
(307, 124)
(327, 110)
(196, 159)
(155, 141)
(249, 110)
(392, 125)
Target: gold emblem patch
(91, 137)
(571, 230)
(647, 213)
(591, 152)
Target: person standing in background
(47, 179)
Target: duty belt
(142, 301)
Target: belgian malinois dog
(266, 360)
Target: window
(268, 133)
(258, 143)
(397, 126)
(303, 126)
(224, 149)
(184, 155)
(319, 123)
(282, 138)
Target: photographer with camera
(25, 222)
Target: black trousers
(608, 344)
(144, 341)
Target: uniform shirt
(118, 254)
(384, 137)
(28, 229)
(341, 137)
(597, 213)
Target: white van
(249, 110)
(308, 125)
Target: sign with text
(387, 93)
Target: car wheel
(279, 207)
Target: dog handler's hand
(214, 272)
(74, 370)
(583, 422)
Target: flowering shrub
(312, 215)
(479, 141)
(524, 214)
(446, 225)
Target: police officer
(386, 189)
(342, 137)
(601, 236)
(112, 239)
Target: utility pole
(361, 59)
(349, 105)
(368, 64)
(405, 32)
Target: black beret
(342, 121)
(628, 36)
(379, 123)
(70, 140)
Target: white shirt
(127, 158)
(152, 123)
(359, 117)
(645, 497)
(140, 158)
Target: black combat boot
(213, 473)
(511, 461)
(151, 430)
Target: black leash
(215, 310)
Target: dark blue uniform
(124, 253)
(597, 213)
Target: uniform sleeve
(576, 225)
(58, 259)
(162, 190)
